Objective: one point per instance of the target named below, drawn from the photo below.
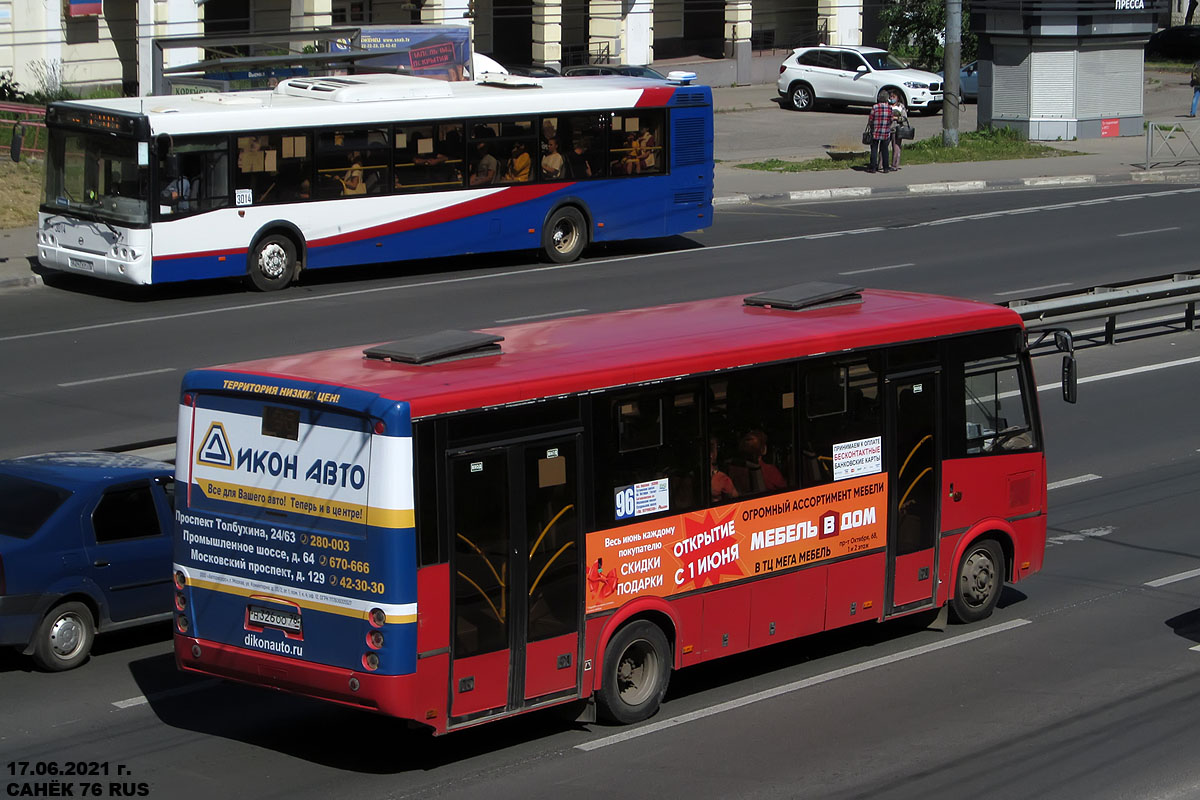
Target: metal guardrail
(1161, 141)
(29, 122)
(1108, 303)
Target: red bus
(463, 526)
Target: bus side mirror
(1070, 379)
(18, 136)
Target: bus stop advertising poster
(432, 51)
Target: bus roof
(579, 354)
(383, 98)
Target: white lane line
(1182, 576)
(767, 694)
(541, 316)
(1144, 233)
(1121, 373)
(1194, 649)
(1072, 481)
(876, 269)
(118, 377)
(1079, 536)
(1032, 289)
(142, 699)
(554, 267)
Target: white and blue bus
(334, 171)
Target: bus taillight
(188, 399)
(371, 661)
(182, 623)
(375, 639)
(180, 601)
(180, 579)
(380, 428)
(377, 617)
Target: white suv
(853, 75)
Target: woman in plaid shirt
(879, 123)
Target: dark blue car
(85, 547)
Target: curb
(1169, 175)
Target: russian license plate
(81, 263)
(272, 618)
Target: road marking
(1032, 289)
(1079, 536)
(876, 269)
(541, 316)
(816, 680)
(1182, 576)
(1072, 481)
(142, 699)
(1144, 233)
(524, 271)
(1121, 373)
(118, 377)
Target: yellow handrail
(913, 452)
(486, 560)
(496, 611)
(546, 529)
(548, 563)
(913, 484)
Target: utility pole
(951, 63)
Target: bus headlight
(124, 253)
(47, 238)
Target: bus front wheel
(979, 581)
(565, 235)
(637, 667)
(273, 263)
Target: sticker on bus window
(642, 498)
(860, 457)
(245, 197)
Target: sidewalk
(1104, 161)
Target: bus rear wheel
(273, 263)
(565, 235)
(637, 668)
(979, 581)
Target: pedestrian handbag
(905, 132)
(867, 135)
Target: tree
(915, 30)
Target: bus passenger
(752, 474)
(552, 162)
(518, 165)
(721, 486)
(352, 178)
(486, 167)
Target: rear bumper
(387, 694)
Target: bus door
(914, 466)
(516, 579)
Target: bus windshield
(96, 176)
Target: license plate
(273, 618)
(81, 263)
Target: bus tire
(637, 668)
(272, 263)
(565, 235)
(979, 581)
(64, 638)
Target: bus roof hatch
(441, 346)
(807, 295)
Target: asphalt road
(95, 365)
(1083, 684)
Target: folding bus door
(516, 579)
(914, 467)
